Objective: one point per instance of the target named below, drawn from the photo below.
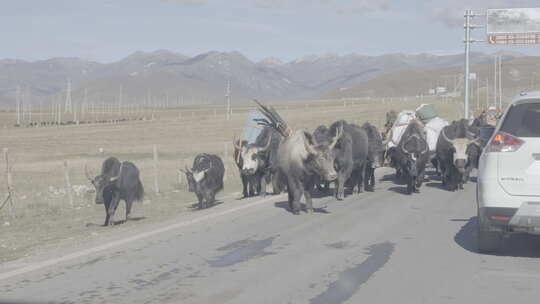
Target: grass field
(42, 213)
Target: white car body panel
(509, 179)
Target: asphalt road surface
(381, 247)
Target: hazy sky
(106, 31)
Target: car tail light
(503, 142)
(500, 217)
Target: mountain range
(518, 74)
(164, 76)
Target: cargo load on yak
(252, 129)
(426, 114)
(433, 124)
(492, 116)
(401, 123)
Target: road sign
(513, 26)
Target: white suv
(508, 187)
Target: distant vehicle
(508, 187)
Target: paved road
(382, 247)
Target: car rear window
(523, 120)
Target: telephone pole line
(468, 27)
(67, 106)
(228, 99)
(18, 98)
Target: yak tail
(273, 120)
(139, 194)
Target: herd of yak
(297, 161)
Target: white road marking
(85, 252)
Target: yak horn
(210, 167)
(87, 173)
(112, 179)
(405, 150)
(308, 145)
(443, 134)
(426, 149)
(235, 143)
(263, 149)
(339, 133)
(471, 135)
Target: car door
(519, 159)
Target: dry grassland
(42, 213)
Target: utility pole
(18, 98)
(85, 104)
(120, 96)
(500, 82)
(495, 82)
(477, 94)
(467, 48)
(40, 112)
(487, 93)
(26, 105)
(468, 27)
(228, 99)
(75, 114)
(67, 107)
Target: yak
(257, 162)
(411, 156)
(300, 158)
(391, 117)
(351, 153)
(350, 157)
(375, 156)
(117, 181)
(320, 134)
(205, 178)
(250, 187)
(458, 150)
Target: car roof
(527, 97)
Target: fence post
(180, 173)
(156, 169)
(186, 165)
(9, 179)
(69, 189)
